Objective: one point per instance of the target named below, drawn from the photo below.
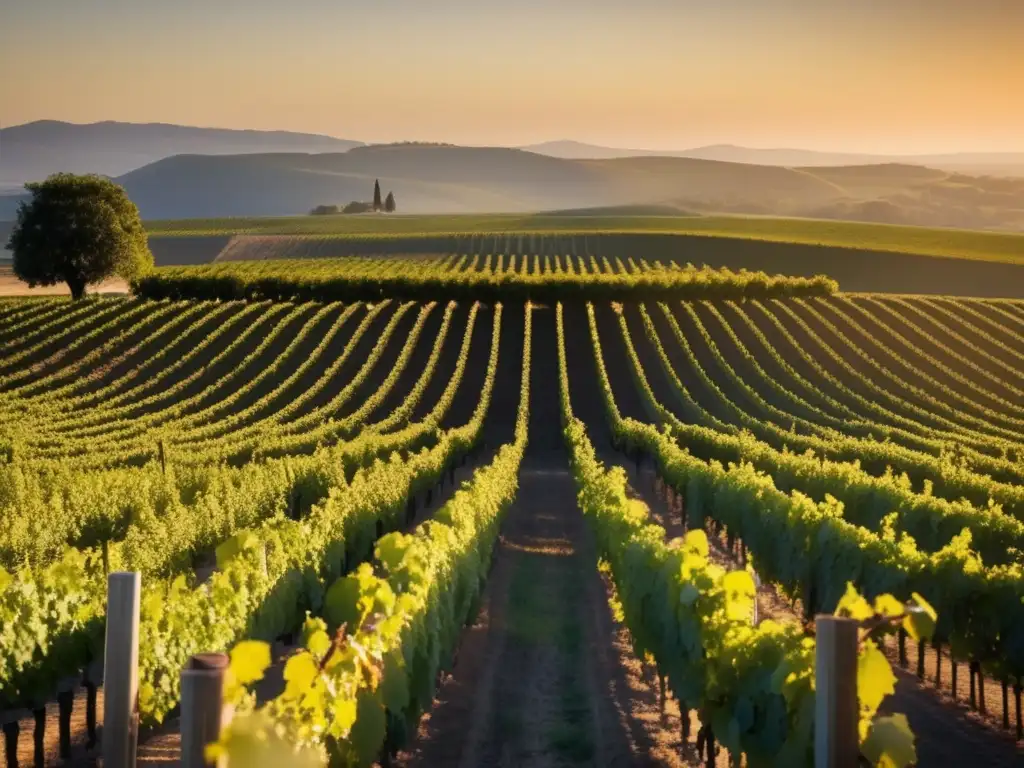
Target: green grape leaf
(249, 661)
(394, 686)
(343, 717)
(875, 679)
(343, 602)
(153, 603)
(890, 743)
(234, 546)
(146, 694)
(920, 620)
(887, 605)
(299, 673)
(252, 741)
(311, 626)
(740, 594)
(370, 728)
(696, 541)
(854, 605)
(319, 643)
(5, 579)
(392, 548)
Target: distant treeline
(489, 279)
(388, 205)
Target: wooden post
(709, 742)
(65, 705)
(121, 670)
(836, 708)
(92, 680)
(11, 732)
(39, 737)
(982, 704)
(1016, 698)
(66, 702)
(202, 709)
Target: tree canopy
(324, 210)
(376, 196)
(78, 230)
(389, 202)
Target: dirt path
(948, 733)
(544, 678)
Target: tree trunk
(77, 286)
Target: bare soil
(545, 676)
(12, 286)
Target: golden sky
(858, 75)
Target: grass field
(948, 243)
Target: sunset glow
(913, 76)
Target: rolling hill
(32, 151)
(446, 179)
(977, 163)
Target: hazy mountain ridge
(444, 178)
(978, 163)
(32, 151)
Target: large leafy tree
(389, 203)
(78, 230)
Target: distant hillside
(446, 179)
(977, 163)
(576, 150)
(34, 150)
(617, 211)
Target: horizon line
(531, 145)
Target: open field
(259, 459)
(11, 286)
(856, 270)
(862, 257)
(950, 243)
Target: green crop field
(385, 482)
(950, 243)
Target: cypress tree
(376, 195)
(389, 202)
